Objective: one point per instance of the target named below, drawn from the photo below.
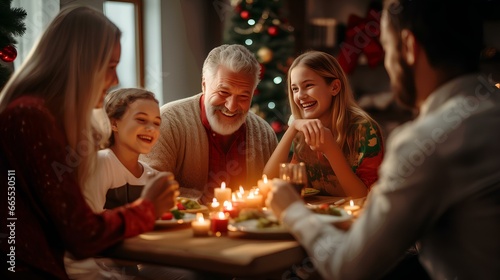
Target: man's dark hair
(450, 31)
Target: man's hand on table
(281, 196)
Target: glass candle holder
(200, 226)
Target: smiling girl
(135, 119)
(339, 142)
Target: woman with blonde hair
(339, 142)
(48, 149)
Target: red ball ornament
(8, 53)
(277, 126)
(272, 30)
(245, 15)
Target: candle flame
(351, 203)
(199, 217)
(221, 215)
(228, 205)
(215, 203)
(264, 178)
(242, 190)
(223, 185)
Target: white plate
(250, 226)
(188, 218)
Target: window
(127, 15)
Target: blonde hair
(117, 102)
(67, 69)
(346, 113)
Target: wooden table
(236, 254)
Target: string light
(248, 42)
(271, 105)
(277, 80)
(251, 22)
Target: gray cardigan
(183, 146)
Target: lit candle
(254, 199)
(222, 194)
(215, 205)
(228, 208)
(238, 201)
(200, 226)
(351, 207)
(264, 186)
(219, 223)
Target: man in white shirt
(439, 184)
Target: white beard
(223, 127)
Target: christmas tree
(262, 27)
(11, 24)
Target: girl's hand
(313, 130)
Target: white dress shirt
(439, 186)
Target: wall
(171, 70)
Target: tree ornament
(245, 14)
(272, 30)
(262, 71)
(264, 55)
(362, 37)
(277, 126)
(8, 53)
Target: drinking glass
(295, 174)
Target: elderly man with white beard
(211, 137)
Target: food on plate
(172, 214)
(187, 204)
(267, 223)
(326, 209)
(264, 220)
(167, 216)
(249, 214)
(310, 191)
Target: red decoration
(277, 126)
(262, 71)
(8, 53)
(272, 30)
(245, 14)
(362, 36)
(238, 8)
